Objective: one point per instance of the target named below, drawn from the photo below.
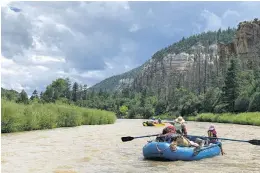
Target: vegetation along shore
(210, 76)
(35, 116)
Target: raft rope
(158, 149)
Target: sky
(90, 41)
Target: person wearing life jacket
(180, 126)
(159, 121)
(167, 134)
(213, 133)
(175, 139)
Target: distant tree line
(239, 93)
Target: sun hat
(211, 127)
(180, 120)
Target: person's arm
(215, 133)
(184, 129)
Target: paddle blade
(127, 138)
(254, 142)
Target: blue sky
(90, 41)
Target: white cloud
(89, 41)
(231, 17)
(61, 39)
(229, 13)
(134, 28)
(213, 22)
(45, 59)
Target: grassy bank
(249, 118)
(19, 117)
(166, 117)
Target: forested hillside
(210, 76)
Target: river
(98, 148)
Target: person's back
(180, 127)
(167, 134)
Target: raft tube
(161, 151)
(153, 124)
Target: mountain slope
(196, 63)
(117, 82)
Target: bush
(221, 108)
(249, 118)
(10, 118)
(255, 103)
(241, 104)
(20, 117)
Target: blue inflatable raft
(161, 150)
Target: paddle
(253, 141)
(130, 138)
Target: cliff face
(247, 38)
(184, 69)
(197, 62)
(201, 65)
(246, 45)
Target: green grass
(248, 118)
(166, 116)
(19, 117)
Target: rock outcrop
(246, 45)
(194, 63)
(195, 70)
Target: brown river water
(98, 148)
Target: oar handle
(218, 138)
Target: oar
(130, 138)
(253, 141)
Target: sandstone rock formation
(196, 68)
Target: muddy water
(88, 149)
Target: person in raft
(213, 133)
(159, 121)
(170, 135)
(180, 126)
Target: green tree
(75, 89)
(34, 95)
(231, 86)
(242, 104)
(23, 97)
(143, 96)
(68, 89)
(48, 95)
(160, 107)
(254, 105)
(84, 92)
(123, 110)
(211, 99)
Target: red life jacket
(212, 133)
(169, 129)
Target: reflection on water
(99, 148)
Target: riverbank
(20, 117)
(249, 118)
(96, 149)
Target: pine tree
(75, 90)
(34, 95)
(23, 97)
(231, 86)
(85, 92)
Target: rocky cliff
(198, 61)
